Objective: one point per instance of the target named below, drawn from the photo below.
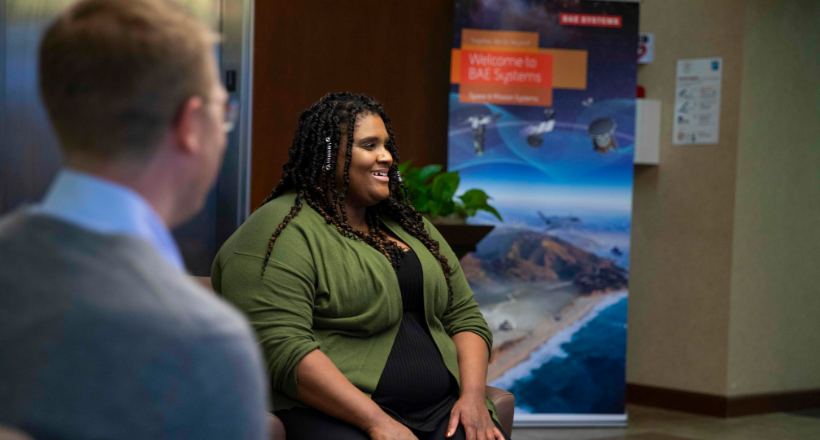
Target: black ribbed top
(415, 387)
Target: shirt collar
(108, 208)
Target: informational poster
(697, 101)
(542, 118)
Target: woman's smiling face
(369, 163)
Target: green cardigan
(323, 291)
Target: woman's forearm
(323, 387)
(472, 363)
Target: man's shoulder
(136, 367)
(106, 322)
(52, 268)
(23, 229)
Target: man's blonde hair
(114, 74)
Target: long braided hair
(311, 172)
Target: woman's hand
(391, 430)
(323, 387)
(470, 411)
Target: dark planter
(463, 238)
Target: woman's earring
(329, 145)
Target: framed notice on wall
(697, 101)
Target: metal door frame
(236, 54)
(2, 96)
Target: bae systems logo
(611, 21)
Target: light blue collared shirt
(107, 208)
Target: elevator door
(29, 153)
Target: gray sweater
(100, 338)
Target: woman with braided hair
(367, 323)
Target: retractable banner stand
(542, 118)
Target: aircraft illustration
(558, 222)
(506, 326)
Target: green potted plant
(433, 194)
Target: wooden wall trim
(721, 406)
(770, 403)
(686, 401)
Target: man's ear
(187, 130)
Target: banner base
(569, 420)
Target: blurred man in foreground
(102, 334)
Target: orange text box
(506, 68)
(509, 39)
(509, 95)
(569, 67)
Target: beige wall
(774, 338)
(725, 276)
(683, 211)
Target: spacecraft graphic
(601, 131)
(535, 133)
(479, 125)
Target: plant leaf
(474, 198)
(420, 202)
(411, 176)
(445, 186)
(434, 208)
(428, 172)
(448, 207)
(492, 211)
(403, 166)
(460, 211)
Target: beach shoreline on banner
(510, 351)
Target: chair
(504, 400)
(505, 404)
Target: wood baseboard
(687, 401)
(721, 406)
(771, 403)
